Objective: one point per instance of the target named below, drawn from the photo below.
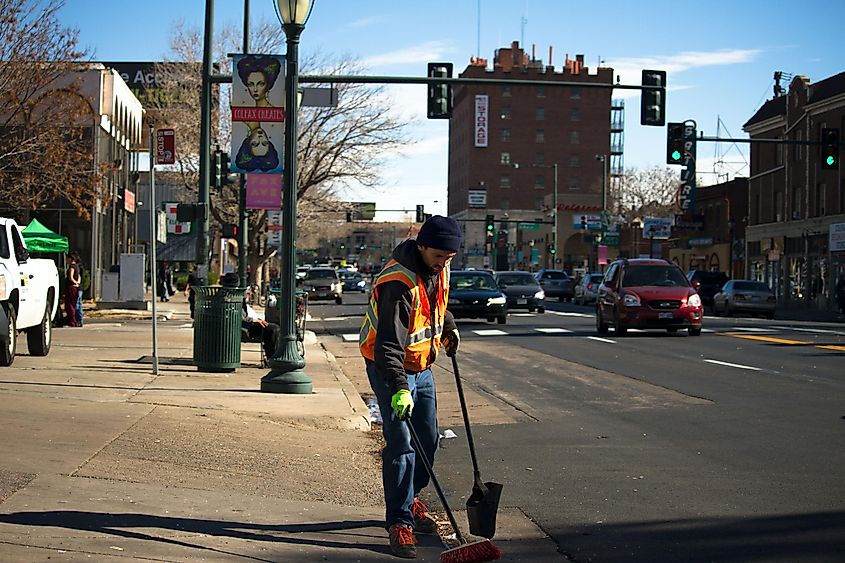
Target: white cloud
(366, 22)
(422, 53)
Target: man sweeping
(404, 328)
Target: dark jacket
(394, 312)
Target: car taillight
(739, 297)
(589, 286)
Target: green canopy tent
(39, 238)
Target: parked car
(588, 288)
(473, 294)
(522, 290)
(29, 295)
(555, 283)
(352, 281)
(707, 284)
(322, 283)
(745, 296)
(647, 293)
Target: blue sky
(720, 57)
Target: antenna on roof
(780, 75)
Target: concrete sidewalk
(102, 460)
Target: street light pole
(554, 235)
(286, 375)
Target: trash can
(217, 328)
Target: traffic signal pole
(243, 216)
(201, 226)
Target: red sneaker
(423, 522)
(402, 541)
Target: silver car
(745, 296)
(587, 289)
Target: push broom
(468, 552)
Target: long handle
(430, 470)
(476, 472)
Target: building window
(504, 204)
(541, 91)
(574, 161)
(540, 114)
(575, 114)
(540, 159)
(506, 135)
(796, 203)
(540, 136)
(797, 148)
(575, 92)
(506, 113)
(574, 138)
(540, 182)
(504, 181)
(574, 183)
(506, 91)
(505, 158)
(538, 203)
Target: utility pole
(201, 226)
(243, 216)
(554, 235)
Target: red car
(647, 293)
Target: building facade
(535, 157)
(796, 209)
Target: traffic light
(439, 95)
(421, 214)
(229, 230)
(675, 151)
(226, 178)
(216, 180)
(552, 249)
(653, 101)
(343, 246)
(830, 149)
(362, 247)
(489, 226)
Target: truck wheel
(40, 337)
(7, 354)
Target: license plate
(521, 301)
(665, 315)
(322, 294)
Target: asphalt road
(728, 446)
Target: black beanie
(442, 233)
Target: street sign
(165, 146)
(528, 226)
(610, 239)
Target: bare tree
(46, 125)
(645, 192)
(337, 146)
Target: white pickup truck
(29, 290)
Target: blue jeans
(402, 477)
(79, 307)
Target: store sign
(174, 226)
(477, 198)
(165, 146)
(264, 191)
(129, 201)
(657, 228)
(836, 241)
(482, 120)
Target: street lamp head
(294, 11)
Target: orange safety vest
(425, 327)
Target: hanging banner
(264, 191)
(258, 114)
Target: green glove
(402, 403)
(451, 342)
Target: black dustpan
(483, 503)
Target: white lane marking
(636, 330)
(552, 330)
(332, 319)
(567, 314)
(818, 330)
(730, 365)
(521, 314)
(490, 332)
(350, 337)
(609, 341)
(750, 329)
(707, 330)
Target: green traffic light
(831, 161)
(676, 155)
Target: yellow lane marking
(837, 348)
(766, 338)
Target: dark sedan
(555, 283)
(474, 294)
(522, 290)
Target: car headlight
(501, 300)
(631, 300)
(540, 295)
(694, 300)
(2, 286)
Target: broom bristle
(475, 552)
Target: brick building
(507, 144)
(796, 208)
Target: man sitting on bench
(256, 328)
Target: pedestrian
(190, 292)
(840, 292)
(80, 272)
(404, 327)
(72, 282)
(165, 282)
(255, 326)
